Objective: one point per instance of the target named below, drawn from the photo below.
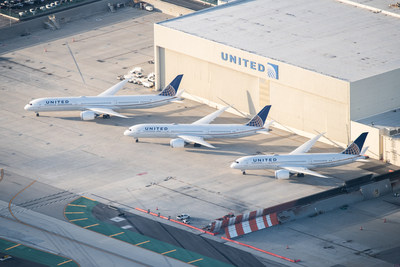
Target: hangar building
(323, 65)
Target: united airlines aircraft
(201, 129)
(299, 162)
(107, 102)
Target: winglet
(114, 89)
(259, 119)
(172, 88)
(356, 147)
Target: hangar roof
(327, 36)
(388, 121)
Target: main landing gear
(244, 172)
(137, 140)
(300, 175)
(37, 114)
(196, 145)
(106, 116)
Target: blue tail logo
(356, 146)
(172, 88)
(259, 119)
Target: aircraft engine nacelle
(88, 115)
(282, 174)
(177, 142)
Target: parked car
(148, 7)
(147, 84)
(151, 77)
(136, 70)
(183, 216)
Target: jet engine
(88, 115)
(282, 174)
(177, 142)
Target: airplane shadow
(213, 152)
(141, 116)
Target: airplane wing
(306, 146)
(304, 170)
(195, 139)
(114, 89)
(107, 111)
(210, 117)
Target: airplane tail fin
(355, 148)
(172, 88)
(259, 119)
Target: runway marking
(75, 205)
(90, 198)
(138, 244)
(13, 246)
(195, 260)
(64, 262)
(117, 219)
(78, 220)
(117, 234)
(168, 252)
(91, 225)
(9, 203)
(74, 212)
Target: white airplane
(299, 162)
(106, 102)
(201, 129)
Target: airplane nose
(127, 132)
(27, 107)
(233, 165)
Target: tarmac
(68, 157)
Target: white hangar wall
(374, 95)
(301, 99)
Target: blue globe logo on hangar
(272, 71)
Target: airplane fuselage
(85, 102)
(310, 161)
(205, 131)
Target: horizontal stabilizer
(180, 92)
(263, 131)
(195, 139)
(305, 171)
(268, 124)
(114, 89)
(364, 150)
(107, 111)
(210, 117)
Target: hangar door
(214, 82)
(264, 92)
